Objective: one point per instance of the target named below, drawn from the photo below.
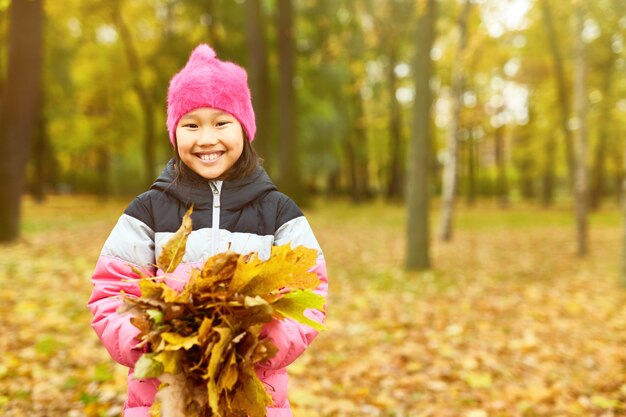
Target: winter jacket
(242, 215)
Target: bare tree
(418, 257)
(451, 168)
(21, 96)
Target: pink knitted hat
(208, 82)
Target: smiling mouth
(208, 157)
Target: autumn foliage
(204, 341)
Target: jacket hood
(189, 187)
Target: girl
(236, 206)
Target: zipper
(215, 225)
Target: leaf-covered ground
(509, 322)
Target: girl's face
(209, 141)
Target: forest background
(520, 128)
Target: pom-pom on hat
(205, 81)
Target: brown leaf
(174, 250)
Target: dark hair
(243, 167)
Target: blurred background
(503, 78)
(500, 123)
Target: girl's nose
(208, 136)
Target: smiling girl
(211, 126)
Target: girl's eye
(222, 123)
(190, 125)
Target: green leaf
(174, 250)
(478, 379)
(605, 403)
(294, 304)
(147, 367)
(155, 315)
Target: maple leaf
(286, 268)
(294, 304)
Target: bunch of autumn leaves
(203, 341)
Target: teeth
(209, 156)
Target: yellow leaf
(170, 360)
(247, 269)
(204, 330)
(174, 341)
(477, 379)
(476, 413)
(252, 397)
(286, 268)
(229, 375)
(158, 290)
(174, 250)
(218, 349)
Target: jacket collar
(189, 187)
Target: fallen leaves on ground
(509, 322)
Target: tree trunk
(502, 186)
(143, 95)
(622, 277)
(40, 156)
(356, 147)
(396, 162)
(561, 87)
(418, 257)
(451, 167)
(580, 109)
(549, 176)
(103, 157)
(599, 165)
(289, 170)
(472, 165)
(20, 106)
(259, 78)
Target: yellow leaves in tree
(204, 340)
